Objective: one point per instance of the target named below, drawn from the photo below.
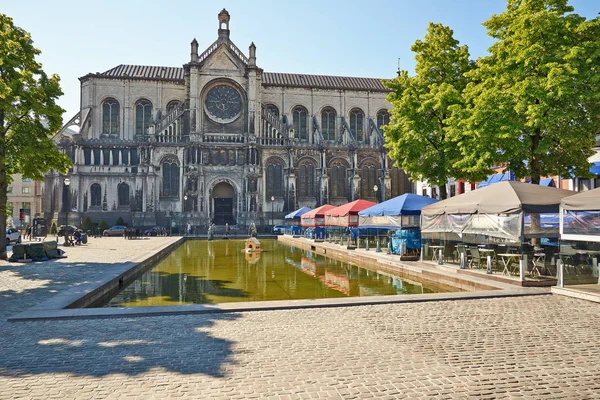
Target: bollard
(378, 249)
(522, 267)
(462, 260)
(560, 273)
(595, 268)
(440, 255)
(489, 264)
(422, 253)
(367, 244)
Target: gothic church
(220, 140)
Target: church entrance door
(223, 204)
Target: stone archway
(223, 201)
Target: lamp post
(66, 231)
(272, 201)
(183, 210)
(378, 249)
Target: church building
(220, 140)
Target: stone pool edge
(61, 306)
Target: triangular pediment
(221, 59)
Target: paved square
(523, 347)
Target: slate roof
(145, 72)
(276, 79)
(322, 82)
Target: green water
(203, 272)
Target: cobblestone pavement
(522, 347)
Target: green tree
(120, 221)
(87, 224)
(533, 102)
(418, 135)
(102, 226)
(28, 114)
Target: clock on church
(223, 104)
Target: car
(12, 235)
(70, 230)
(117, 230)
(279, 229)
(156, 231)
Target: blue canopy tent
(499, 177)
(400, 214)
(296, 229)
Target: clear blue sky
(348, 38)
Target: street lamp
(66, 232)
(375, 188)
(184, 202)
(378, 249)
(272, 201)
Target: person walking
(226, 228)
(189, 229)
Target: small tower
(252, 53)
(223, 20)
(194, 51)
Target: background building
(26, 195)
(221, 140)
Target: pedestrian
(189, 229)
(227, 228)
(28, 232)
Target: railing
(168, 119)
(273, 131)
(223, 138)
(238, 52)
(208, 51)
(378, 136)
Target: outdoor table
(508, 259)
(434, 257)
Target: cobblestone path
(520, 347)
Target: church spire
(223, 21)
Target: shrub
(102, 226)
(87, 224)
(120, 221)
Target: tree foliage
(533, 102)
(28, 114)
(418, 135)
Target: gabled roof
(323, 82)
(269, 79)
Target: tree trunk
(3, 188)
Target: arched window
(96, 195)
(300, 116)
(328, 123)
(172, 105)
(123, 194)
(337, 181)
(368, 181)
(273, 109)
(306, 180)
(356, 124)
(383, 118)
(143, 116)
(274, 178)
(170, 179)
(110, 116)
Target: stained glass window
(300, 117)
(143, 116)
(110, 116)
(328, 123)
(356, 124)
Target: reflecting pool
(208, 272)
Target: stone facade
(220, 140)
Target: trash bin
(84, 237)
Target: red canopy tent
(315, 217)
(346, 214)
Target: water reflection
(203, 272)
